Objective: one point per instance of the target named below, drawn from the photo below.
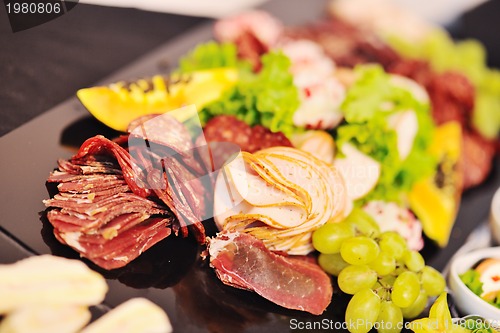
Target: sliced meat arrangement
(452, 94)
(111, 206)
(243, 261)
(175, 170)
(97, 214)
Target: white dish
(466, 301)
(495, 217)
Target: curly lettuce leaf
(368, 104)
(212, 55)
(374, 94)
(468, 57)
(268, 98)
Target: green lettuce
(368, 103)
(471, 279)
(211, 55)
(468, 57)
(268, 98)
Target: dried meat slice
(95, 213)
(99, 145)
(58, 176)
(91, 164)
(106, 209)
(243, 261)
(154, 134)
(173, 190)
(125, 247)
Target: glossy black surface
(10, 250)
(172, 274)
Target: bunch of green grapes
(388, 281)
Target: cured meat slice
(88, 185)
(181, 198)
(63, 177)
(98, 179)
(250, 139)
(165, 151)
(96, 194)
(87, 223)
(243, 261)
(164, 131)
(106, 208)
(99, 145)
(93, 208)
(91, 164)
(123, 248)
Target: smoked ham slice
(243, 261)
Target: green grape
(414, 261)
(352, 279)
(329, 237)
(393, 244)
(332, 263)
(390, 318)
(432, 281)
(417, 307)
(363, 223)
(387, 281)
(362, 311)
(359, 250)
(400, 268)
(406, 289)
(384, 264)
(381, 291)
(376, 286)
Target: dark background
(47, 64)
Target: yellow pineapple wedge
(118, 104)
(435, 200)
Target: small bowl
(466, 301)
(495, 217)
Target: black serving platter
(172, 274)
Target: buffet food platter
(172, 274)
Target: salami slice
(250, 139)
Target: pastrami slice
(241, 260)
